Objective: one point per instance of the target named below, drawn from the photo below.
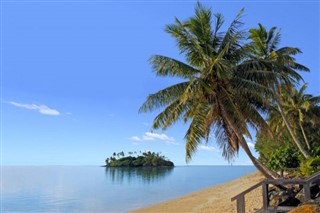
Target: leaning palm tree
(212, 96)
(312, 124)
(281, 63)
(298, 107)
(295, 106)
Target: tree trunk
(268, 173)
(293, 135)
(304, 136)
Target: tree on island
(226, 85)
(147, 159)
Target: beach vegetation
(278, 153)
(302, 111)
(284, 157)
(310, 166)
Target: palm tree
(281, 63)
(212, 94)
(312, 125)
(107, 161)
(295, 107)
(298, 107)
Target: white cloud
(153, 136)
(150, 136)
(43, 109)
(172, 143)
(135, 138)
(247, 138)
(208, 148)
(250, 144)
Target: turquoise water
(99, 189)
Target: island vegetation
(138, 159)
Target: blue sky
(74, 74)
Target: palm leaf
(165, 66)
(163, 97)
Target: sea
(94, 189)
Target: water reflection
(145, 175)
(97, 189)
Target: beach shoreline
(216, 199)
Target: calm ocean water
(99, 189)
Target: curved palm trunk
(268, 173)
(295, 139)
(304, 136)
(293, 135)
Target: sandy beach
(216, 199)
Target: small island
(143, 159)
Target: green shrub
(284, 157)
(310, 166)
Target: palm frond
(200, 27)
(226, 139)
(170, 115)
(196, 131)
(231, 113)
(187, 43)
(233, 30)
(273, 40)
(217, 35)
(163, 97)
(165, 66)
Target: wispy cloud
(172, 143)
(151, 136)
(250, 144)
(135, 138)
(208, 148)
(43, 109)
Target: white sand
(216, 199)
